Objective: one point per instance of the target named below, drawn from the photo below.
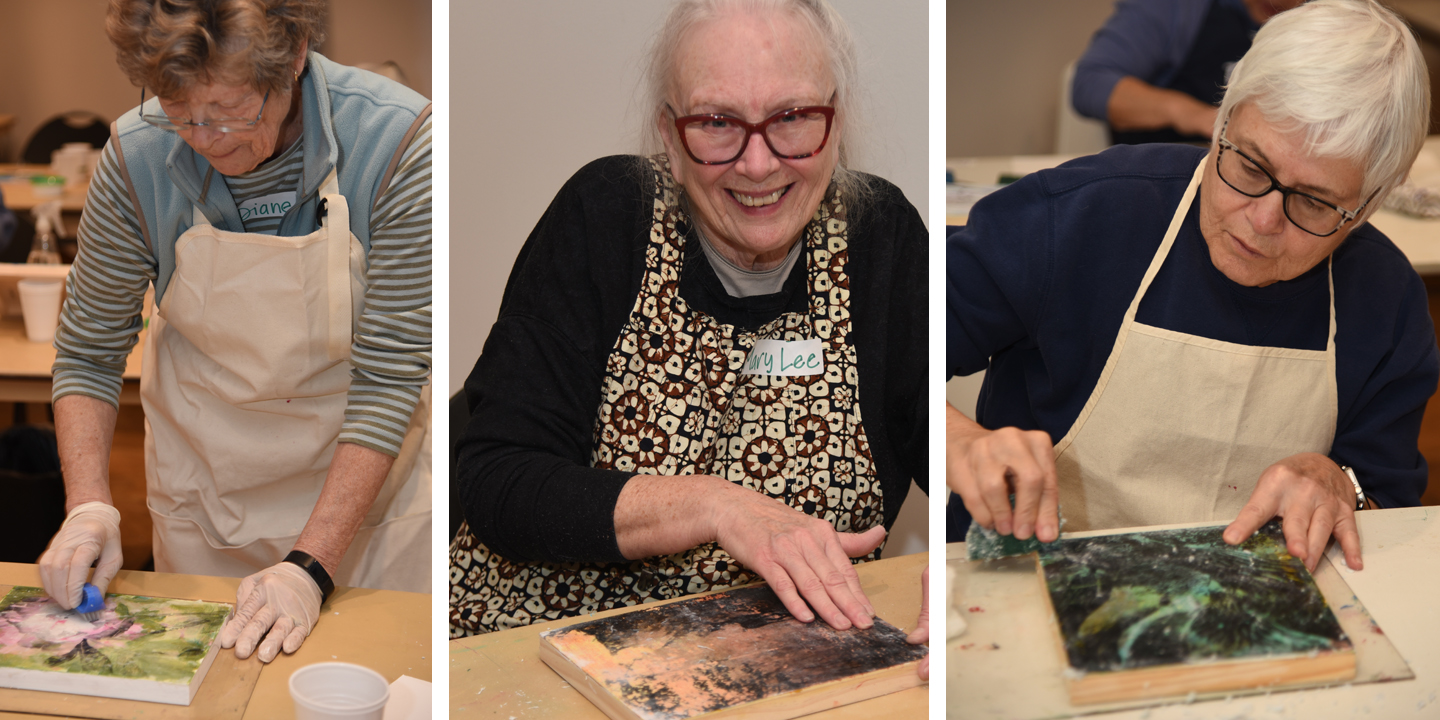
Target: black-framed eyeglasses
(224, 125)
(791, 134)
(1309, 213)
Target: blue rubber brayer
(93, 601)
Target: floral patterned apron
(675, 402)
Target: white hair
(1347, 73)
(816, 15)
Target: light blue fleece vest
(353, 119)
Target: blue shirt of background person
(1177, 55)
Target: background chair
(74, 126)
(30, 476)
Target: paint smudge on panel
(1135, 600)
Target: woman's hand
(921, 633)
(985, 466)
(798, 555)
(1315, 499)
(91, 533)
(275, 609)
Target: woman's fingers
(921, 633)
(850, 545)
(247, 603)
(1006, 461)
(824, 594)
(778, 578)
(803, 559)
(841, 582)
(275, 639)
(254, 630)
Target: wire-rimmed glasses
(797, 133)
(1309, 213)
(224, 125)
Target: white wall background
(1002, 71)
(538, 89)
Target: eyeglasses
(224, 125)
(1309, 213)
(791, 134)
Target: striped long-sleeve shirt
(390, 354)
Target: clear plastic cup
(40, 303)
(338, 691)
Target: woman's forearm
(351, 486)
(1137, 105)
(664, 514)
(84, 431)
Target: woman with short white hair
(1176, 335)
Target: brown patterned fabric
(674, 402)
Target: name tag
(785, 357)
(268, 206)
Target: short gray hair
(818, 16)
(1350, 75)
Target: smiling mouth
(759, 200)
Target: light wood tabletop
(1401, 578)
(25, 366)
(501, 674)
(20, 194)
(384, 630)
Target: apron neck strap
(1168, 242)
(331, 186)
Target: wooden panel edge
(1178, 681)
(587, 686)
(837, 693)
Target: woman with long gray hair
(670, 401)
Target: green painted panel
(1140, 599)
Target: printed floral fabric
(674, 402)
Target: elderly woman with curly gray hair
(671, 399)
(280, 205)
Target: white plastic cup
(338, 691)
(40, 303)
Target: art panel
(139, 648)
(1143, 614)
(737, 652)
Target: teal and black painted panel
(1136, 600)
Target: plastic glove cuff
(95, 507)
(315, 570)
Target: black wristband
(315, 570)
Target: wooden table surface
(25, 366)
(20, 195)
(1401, 579)
(386, 631)
(501, 674)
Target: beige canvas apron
(247, 368)
(1180, 427)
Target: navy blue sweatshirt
(1038, 282)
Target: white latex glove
(280, 603)
(90, 532)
